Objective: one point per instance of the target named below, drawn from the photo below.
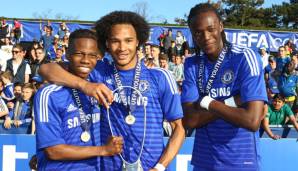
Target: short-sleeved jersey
(57, 121)
(162, 101)
(221, 145)
(278, 117)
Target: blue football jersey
(162, 101)
(8, 91)
(221, 145)
(57, 121)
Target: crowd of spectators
(281, 76)
(20, 79)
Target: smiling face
(206, 30)
(122, 44)
(277, 104)
(27, 93)
(83, 55)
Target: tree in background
(243, 12)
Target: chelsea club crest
(143, 85)
(227, 77)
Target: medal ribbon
(130, 105)
(84, 121)
(211, 77)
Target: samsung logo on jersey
(74, 122)
(144, 99)
(220, 92)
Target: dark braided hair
(202, 8)
(104, 25)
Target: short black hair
(202, 8)
(104, 25)
(279, 96)
(83, 33)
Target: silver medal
(130, 119)
(85, 136)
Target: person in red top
(17, 31)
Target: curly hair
(202, 8)
(104, 25)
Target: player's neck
(130, 65)
(214, 56)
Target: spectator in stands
(7, 93)
(271, 78)
(186, 50)
(264, 55)
(155, 51)
(5, 29)
(161, 40)
(43, 28)
(61, 143)
(172, 51)
(21, 117)
(270, 67)
(279, 113)
(147, 51)
(51, 51)
(168, 40)
(17, 90)
(40, 59)
(224, 126)
(35, 45)
(140, 53)
(7, 48)
(149, 60)
(288, 50)
(291, 45)
(163, 61)
(17, 31)
(64, 41)
(47, 39)
(288, 83)
(178, 70)
(18, 65)
(5, 52)
(63, 29)
(180, 39)
(281, 59)
(59, 58)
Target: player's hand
(153, 169)
(99, 91)
(7, 123)
(33, 162)
(275, 137)
(17, 123)
(113, 146)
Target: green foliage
(249, 13)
